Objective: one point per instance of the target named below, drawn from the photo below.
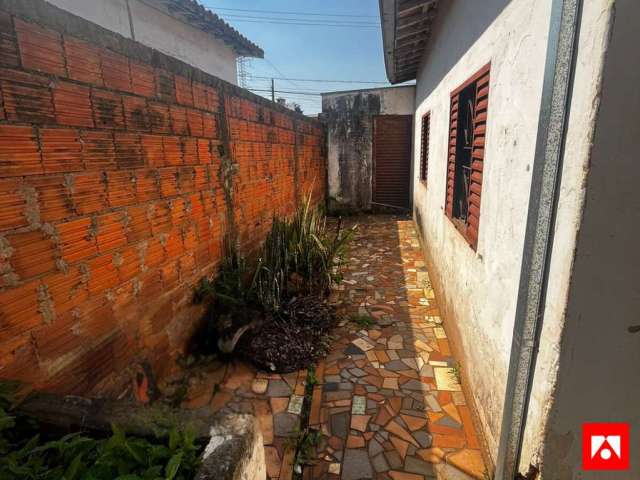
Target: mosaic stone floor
(390, 405)
(387, 401)
(275, 400)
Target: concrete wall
(155, 28)
(110, 14)
(550, 374)
(349, 118)
(479, 288)
(121, 171)
(598, 379)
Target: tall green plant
(234, 284)
(300, 256)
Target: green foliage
(312, 380)
(7, 421)
(456, 372)
(234, 284)
(234, 297)
(78, 456)
(363, 321)
(306, 442)
(300, 257)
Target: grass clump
(300, 257)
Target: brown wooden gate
(392, 161)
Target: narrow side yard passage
(387, 398)
(389, 403)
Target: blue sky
(303, 51)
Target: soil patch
(293, 339)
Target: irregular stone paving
(389, 403)
(274, 399)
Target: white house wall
(109, 14)
(192, 46)
(480, 288)
(154, 28)
(592, 44)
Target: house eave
(406, 27)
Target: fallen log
(234, 444)
(71, 412)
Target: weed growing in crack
(456, 372)
(311, 377)
(305, 443)
(363, 321)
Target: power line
(283, 91)
(279, 12)
(316, 80)
(260, 87)
(373, 25)
(277, 70)
(314, 101)
(284, 19)
(311, 99)
(289, 89)
(310, 96)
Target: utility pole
(273, 90)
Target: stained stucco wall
(479, 288)
(551, 374)
(598, 379)
(154, 28)
(349, 117)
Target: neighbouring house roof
(406, 27)
(191, 12)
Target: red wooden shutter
(424, 147)
(472, 225)
(451, 162)
(477, 157)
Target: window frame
(425, 130)
(468, 227)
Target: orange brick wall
(113, 161)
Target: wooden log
(234, 448)
(71, 412)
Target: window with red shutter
(424, 147)
(467, 129)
